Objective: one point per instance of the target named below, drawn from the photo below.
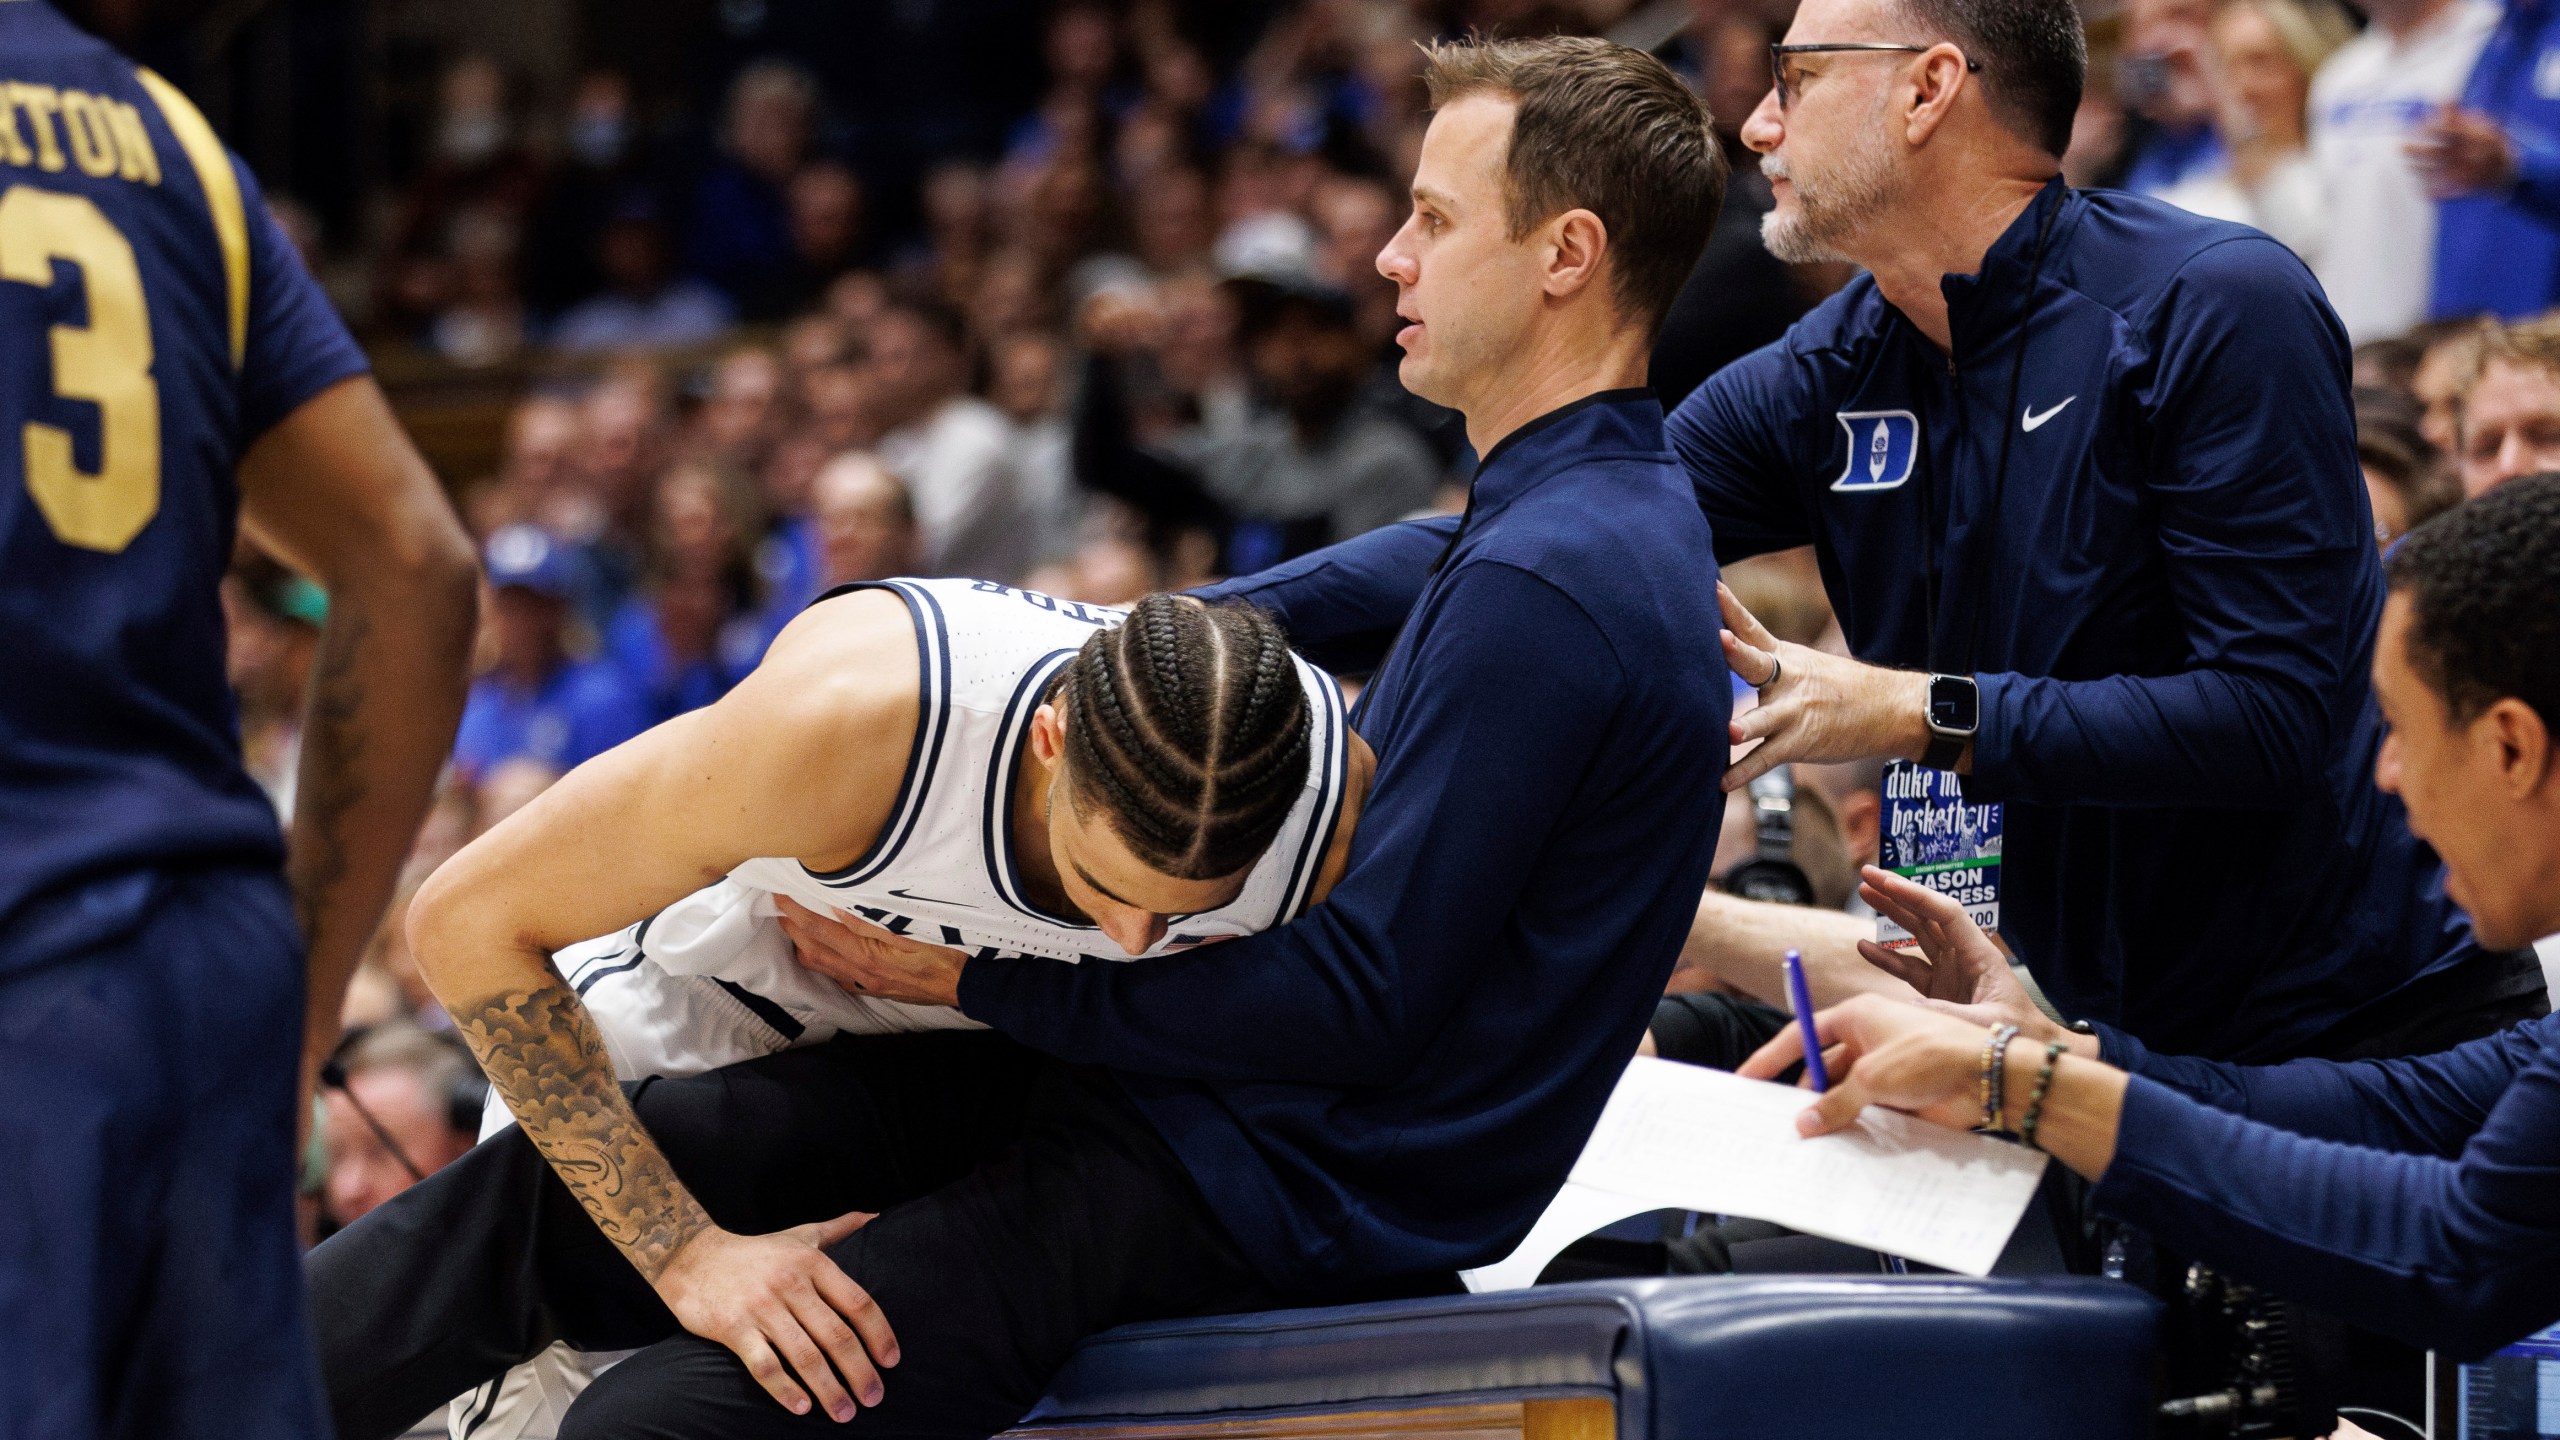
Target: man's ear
(1048, 734)
(1936, 78)
(1577, 246)
(2523, 746)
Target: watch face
(1954, 703)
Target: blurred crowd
(1146, 345)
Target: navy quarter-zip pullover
(2170, 605)
(2420, 1198)
(1397, 1083)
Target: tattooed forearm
(543, 1053)
(331, 784)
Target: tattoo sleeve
(331, 783)
(544, 1054)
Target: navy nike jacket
(2169, 602)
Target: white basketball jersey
(711, 980)
(943, 869)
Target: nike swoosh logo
(932, 900)
(2030, 421)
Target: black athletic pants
(1025, 1204)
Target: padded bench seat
(1695, 1358)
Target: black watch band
(1955, 711)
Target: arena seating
(1700, 1358)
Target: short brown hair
(1606, 129)
(2534, 344)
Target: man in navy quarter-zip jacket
(2090, 458)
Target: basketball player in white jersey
(955, 761)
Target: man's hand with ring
(1814, 705)
(864, 958)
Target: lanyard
(1999, 473)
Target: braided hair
(1189, 727)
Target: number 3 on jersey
(106, 362)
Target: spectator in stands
(1853, 792)
(823, 211)
(1028, 383)
(534, 465)
(2164, 81)
(2509, 422)
(601, 511)
(741, 210)
(537, 702)
(2262, 55)
(865, 526)
(951, 448)
(2451, 358)
(272, 623)
(645, 303)
(408, 1105)
(2486, 160)
(694, 629)
(483, 319)
(476, 163)
(603, 157)
(787, 562)
(744, 416)
(2407, 479)
(1312, 463)
(2416, 1198)
(842, 401)
(2390, 363)
(957, 228)
(1174, 223)
(2367, 104)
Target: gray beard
(1832, 214)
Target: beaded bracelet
(2035, 1102)
(1995, 1063)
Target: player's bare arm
(337, 490)
(804, 757)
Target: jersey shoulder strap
(221, 196)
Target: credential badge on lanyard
(1934, 837)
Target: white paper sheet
(1680, 1136)
(1576, 1211)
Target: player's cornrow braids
(1188, 725)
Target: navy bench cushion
(1682, 1359)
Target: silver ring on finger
(1777, 667)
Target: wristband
(2035, 1101)
(1995, 1062)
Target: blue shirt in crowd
(1398, 1082)
(2499, 254)
(119, 744)
(2167, 157)
(583, 709)
(2419, 1198)
(636, 643)
(2169, 604)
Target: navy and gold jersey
(153, 323)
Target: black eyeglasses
(1778, 60)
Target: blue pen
(1802, 999)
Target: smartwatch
(1955, 708)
